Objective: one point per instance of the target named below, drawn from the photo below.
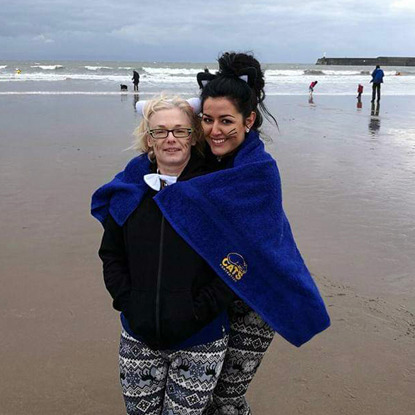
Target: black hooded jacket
(166, 291)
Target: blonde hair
(159, 103)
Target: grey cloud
(182, 30)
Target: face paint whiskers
(231, 133)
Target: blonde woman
(172, 304)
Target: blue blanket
(234, 219)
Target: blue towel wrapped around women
(234, 219)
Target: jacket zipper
(159, 280)
(158, 330)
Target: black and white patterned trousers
(249, 339)
(169, 382)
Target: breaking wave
(48, 67)
(97, 68)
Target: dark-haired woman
(233, 218)
(232, 113)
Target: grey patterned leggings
(249, 339)
(168, 382)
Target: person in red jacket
(359, 91)
(311, 87)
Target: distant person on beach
(247, 227)
(173, 304)
(359, 91)
(311, 87)
(377, 80)
(136, 80)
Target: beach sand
(347, 191)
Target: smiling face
(223, 125)
(172, 154)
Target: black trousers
(375, 88)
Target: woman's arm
(212, 299)
(115, 264)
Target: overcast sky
(299, 31)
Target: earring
(247, 129)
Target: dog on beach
(123, 87)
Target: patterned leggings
(169, 382)
(249, 339)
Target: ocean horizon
(104, 78)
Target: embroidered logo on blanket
(234, 265)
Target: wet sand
(346, 179)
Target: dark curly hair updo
(246, 94)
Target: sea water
(87, 77)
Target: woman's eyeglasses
(160, 133)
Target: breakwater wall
(381, 60)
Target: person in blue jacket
(377, 79)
